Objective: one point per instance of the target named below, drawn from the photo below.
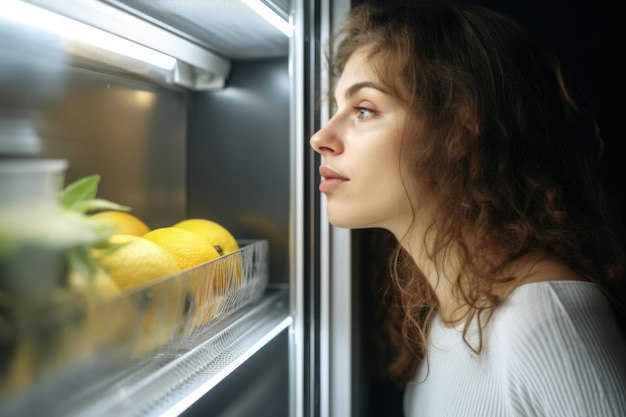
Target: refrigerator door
(325, 371)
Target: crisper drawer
(152, 351)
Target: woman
(454, 131)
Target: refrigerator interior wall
(239, 156)
(131, 133)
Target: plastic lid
(10, 166)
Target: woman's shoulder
(572, 293)
(549, 293)
(558, 339)
(557, 303)
(551, 315)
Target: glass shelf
(173, 378)
(137, 374)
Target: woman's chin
(346, 222)
(341, 222)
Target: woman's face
(360, 146)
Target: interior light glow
(76, 31)
(268, 14)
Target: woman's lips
(331, 179)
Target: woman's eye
(364, 113)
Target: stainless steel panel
(336, 338)
(298, 225)
(132, 134)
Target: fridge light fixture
(73, 30)
(268, 14)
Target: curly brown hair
(509, 157)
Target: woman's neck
(442, 276)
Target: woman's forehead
(361, 67)
(387, 69)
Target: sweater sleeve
(563, 355)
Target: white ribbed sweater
(552, 349)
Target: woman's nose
(325, 141)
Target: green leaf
(80, 196)
(81, 190)
(80, 259)
(97, 204)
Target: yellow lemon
(99, 326)
(20, 369)
(164, 314)
(104, 323)
(100, 284)
(213, 233)
(191, 249)
(187, 248)
(229, 270)
(230, 273)
(158, 309)
(123, 222)
(207, 299)
(133, 260)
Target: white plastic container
(30, 180)
(30, 267)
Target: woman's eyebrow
(354, 88)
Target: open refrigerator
(206, 111)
